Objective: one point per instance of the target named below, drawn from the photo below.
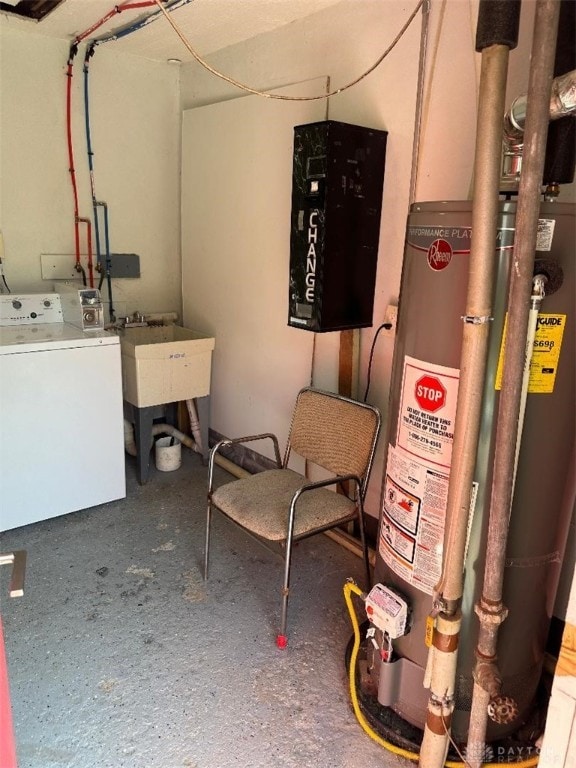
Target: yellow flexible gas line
(350, 587)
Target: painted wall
(136, 134)
(135, 126)
(241, 149)
(342, 42)
(136, 137)
(321, 45)
(135, 120)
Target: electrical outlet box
(390, 317)
(124, 265)
(57, 266)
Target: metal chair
(281, 506)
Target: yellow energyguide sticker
(545, 354)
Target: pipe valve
(502, 710)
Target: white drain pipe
(194, 425)
(157, 429)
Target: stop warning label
(428, 411)
(430, 393)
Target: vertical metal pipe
(472, 372)
(478, 311)
(490, 608)
(419, 100)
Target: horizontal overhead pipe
(562, 103)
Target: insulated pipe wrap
(560, 161)
(498, 22)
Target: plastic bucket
(168, 452)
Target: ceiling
(208, 25)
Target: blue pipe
(96, 204)
(134, 27)
(89, 54)
(128, 30)
(108, 261)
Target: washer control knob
(17, 304)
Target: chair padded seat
(261, 504)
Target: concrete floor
(120, 655)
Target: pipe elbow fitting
(487, 676)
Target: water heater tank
(423, 397)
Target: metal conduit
(490, 608)
(468, 414)
(497, 33)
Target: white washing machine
(61, 419)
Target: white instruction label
(545, 234)
(413, 518)
(417, 473)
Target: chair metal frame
(359, 483)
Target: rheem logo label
(439, 255)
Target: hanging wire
(432, 67)
(282, 97)
(454, 745)
(388, 326)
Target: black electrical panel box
(337, 180)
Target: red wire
(71, 158)
(127, 5)
(77, 218)
(117, 9)
(95, 26)
(89, 239)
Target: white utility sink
(165, 364)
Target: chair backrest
(335, 432)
